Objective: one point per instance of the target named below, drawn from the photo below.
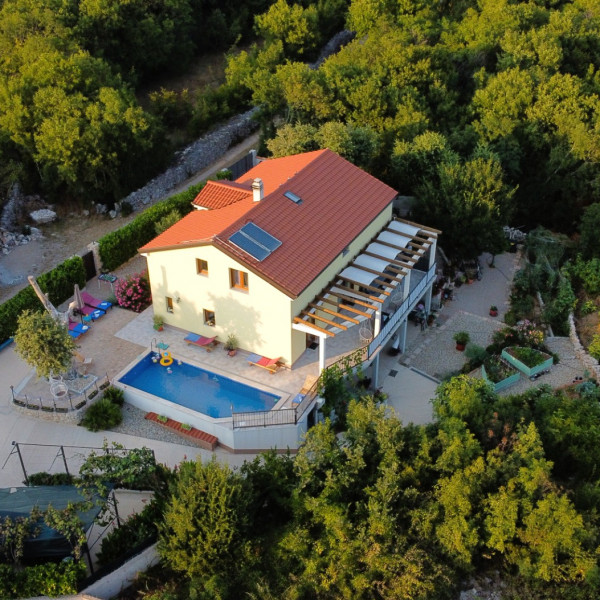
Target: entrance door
(312, 341)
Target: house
(293, 252)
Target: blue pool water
(198, 389)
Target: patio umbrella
(78, 302)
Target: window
(238, 279)
(169, 304)
(209, 317)
(201, 267)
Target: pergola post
(377, 325)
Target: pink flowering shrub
(133, 292)
(525, 333)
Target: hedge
(117, 247)
(57, 283)
(49, 579)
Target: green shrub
(586, 274)
(136, 530)
(57, 283)
(476, 354)
(49, 579)
(594, 347)
(167, 221)
(126, 208)
(115, 395)
(50, 479)
(119, 246)
(102, 415)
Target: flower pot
(493, 313)
(460, 347)
(232, 352)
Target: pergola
(380, 272)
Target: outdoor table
(108, 278)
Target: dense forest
(484, 110)
(488, 111)
(501, 487)
(70, 124)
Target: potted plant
(231, 344)
(493, 310)
(462, 339)
(158, 322)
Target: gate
(241, 166)
(89, 265)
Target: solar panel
(261, 236)
(250, 246)
(293, 197)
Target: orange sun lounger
(271, 364)
(200, 340)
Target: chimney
(257, 190)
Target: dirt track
(71, 234)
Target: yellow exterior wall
(260, 318)
(337, 265)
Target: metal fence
(53, 458)
(73, 400)
(402, 311)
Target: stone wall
(590, 363)
(197, 156)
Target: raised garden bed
(499, 373)
(203, 439)
(527, 360)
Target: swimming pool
(197, 389)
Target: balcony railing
(402, 311)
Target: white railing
(402, 311)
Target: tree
(200, 535)
(44, 343)
(590, 225)
(475, 195)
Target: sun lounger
(200, 340)
(79, 328)
(95, 303)
(91, 313)
(270, 364)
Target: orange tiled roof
(216, 194)
(199, 226)
(276, 171)
(338, 201)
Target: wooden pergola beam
(323, 319)
(344, 306)
(364, 285)
(395, 247)
(313, 326)
(331, 312)
(419, 238)
(351, 299)
(359, 293)
(423, 227)
(392, 261)
(378, 273)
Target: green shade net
(19, 502)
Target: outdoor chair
(93, 302)
(91, 313)
(270, 364)
(199, 340)
(81, 363)
(77, 329)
